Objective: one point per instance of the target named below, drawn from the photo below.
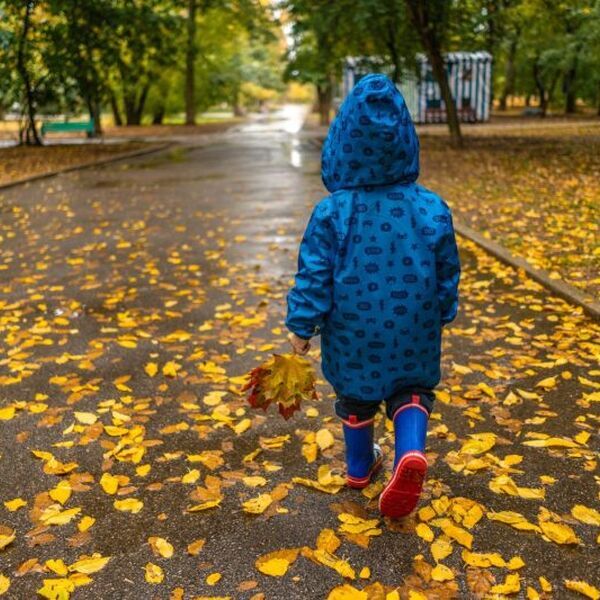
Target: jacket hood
(372, 140)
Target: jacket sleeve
(447, 266)
(310, 299)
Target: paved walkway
(134, 296)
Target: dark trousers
(364, 410)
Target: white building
(469, 76)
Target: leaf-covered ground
(134, 297)
(17, 163)
(534, 189)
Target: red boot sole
(401, 495)
(359, 484)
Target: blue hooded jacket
(378, 266)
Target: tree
(430, 19)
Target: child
(377, 278)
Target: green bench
(69, 126)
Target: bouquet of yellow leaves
(285, 379)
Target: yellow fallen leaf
(195, 547)
(254, 481)
(191, 476)
(424, 532)
(151, 369)
(483, 559)
(258, 505)
(514, 519)
(205, 505)
(458, 534)
(161, 547)
(276, 563)
(154, 574)
(441, 573)
(324, 439)
(441, 548)
(547, 384)
(16, 504)
(53, 515)
(347, 592)
(4, 584)
(57, 589)
(85, 523)
(328, 540)
(511, 585)
(551, 442)
(89, 565)
(170, 368)
(87, 418)
(7, 413)
(242, 426)
(479, 443)
(132, 505)
(583, 588)
(6, 538)
(57, 566)
(560, 533)
(590, 516)
(62, 492)
(109, 483)
(365, 573)
(213, 578)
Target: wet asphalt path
(185, 257)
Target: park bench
(68, 126)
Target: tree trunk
(325, 97)
(539, 84)
(190, 65)
(570, 91)
(95, 114)
(510, 73)
(394, 55)
(114, 105)
(158, 115)
(141, 103)
(420, 17)
(31, 133)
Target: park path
(136, 294)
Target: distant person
(378, 273)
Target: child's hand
(299, 346)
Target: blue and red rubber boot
(363, 456)
(401, 494)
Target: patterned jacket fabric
(378, 266)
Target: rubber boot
(363, 457)
(401, 494)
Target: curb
(559, 288)
(86, 165)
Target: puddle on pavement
(175, 155)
